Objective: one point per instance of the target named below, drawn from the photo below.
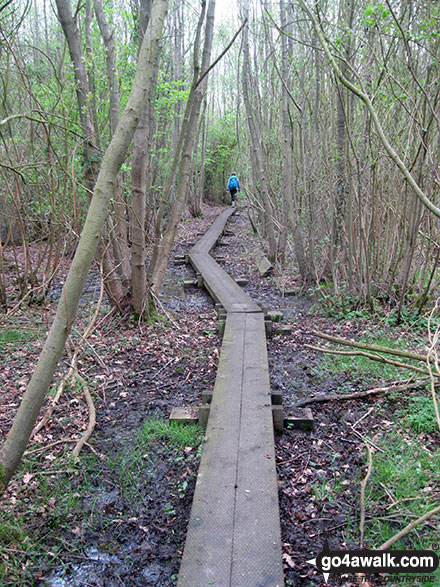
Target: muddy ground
(135, 535)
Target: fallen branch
(363, 486)
(47, 446)
(372, 357)
(410, 527)
(73, 360)
(92, 418)
(360, 394)
(47, 416)
(371, 347)
(433, 356)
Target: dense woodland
(119, 120)
(318, 163)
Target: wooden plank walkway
(208, 240)
(233, 537)
(220, 285)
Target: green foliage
(361, 367)
(412, 319)
(375, 14)
(175, 434)
(409, 472)
(421, 416)
(170, 94)
(221, 155)
(341, 306)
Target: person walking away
(233, 186)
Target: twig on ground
(363, 486)
(409, 527)
(432, 356)
(73, 360)
(370, 356)
(92, 419)
(371, 347)
(47, 446)
(396, 386)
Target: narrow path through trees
(236, 494)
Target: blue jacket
(228, 187)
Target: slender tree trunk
(188, 132)
(255, 139)
(342, 207)
(91, 154)
(140, 168)
(196, 192)
(138, 213)
(119, 226)
(24, 421)
(290, 216)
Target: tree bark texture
(113, 285)
(255, 140)
(186, 141)
(24, 421)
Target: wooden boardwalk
(233, 536)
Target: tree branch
(366, 100)
(222, 54)
(378, 358)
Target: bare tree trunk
(119, 228)
(196, 192)
(342, 207)
(24, 421)
(113, 285)
(258, 167)
(140, 166)
(291, 218)
(187, 136)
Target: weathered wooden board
(264, 266)
(221, 286)
(208, 240)
(233, 535)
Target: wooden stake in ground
(24, 421)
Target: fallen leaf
(288, 560)
(27, 477)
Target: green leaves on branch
(169, 95)
(375, 14)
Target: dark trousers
(233, 192)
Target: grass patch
(404, 485)
(59, 501)
(421, 416)
(36, 531)
(176, 434)
(358, 367)
(134, 464)
(10, 335)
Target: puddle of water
(82, 573)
